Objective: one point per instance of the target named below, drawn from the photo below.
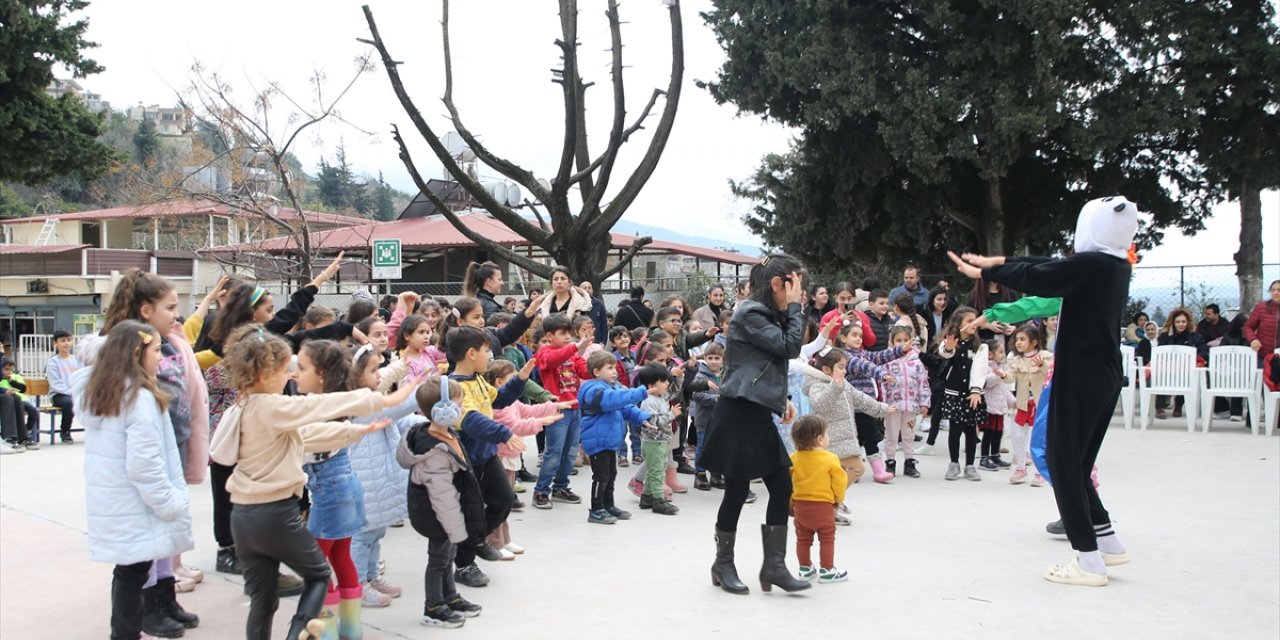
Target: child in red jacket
(562, 371)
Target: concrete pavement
(927, 559)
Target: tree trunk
(1249, 257)
(993, 235)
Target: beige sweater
(275, 431)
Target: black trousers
(498, 498)
(64, 404)
(126, 600)
(1078, 421)
(682, 427)
(735, 495)
(604, 473)
(991, 443)
(11, 424)
(218, 476)
(267, 535)
(868, 432)
(438, 578)
(935, 412)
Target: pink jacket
(910, 388)
(198, 444)
(523, 420)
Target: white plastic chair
(1173, 373)
(1233, 373)
(1132, 369)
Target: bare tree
(581, 240)
(253, 144)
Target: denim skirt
(337, 498)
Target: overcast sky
(503, 52)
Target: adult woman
(564, 297)
(1179, 330)
(483, 281)
(1263, 327)
(1133, 332)
(987, 294)
(709, 313)
(820, 303)
(939, 311)
(741, 440)
(679, 303)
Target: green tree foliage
(946, 123)
(384, 206)
(42, 137)
(338, 188)
(145, 141)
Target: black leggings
(735, 495)
(126, 600)
(868, 432)
(218, 476)
(267, 535)
(991, 443)
(970, 430)
(935, 413)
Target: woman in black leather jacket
(742, 442)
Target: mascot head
(1107, 225)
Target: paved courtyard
(927, 559)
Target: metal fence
(1166, 288)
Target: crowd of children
(326, 429)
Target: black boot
(155, 622)
(891, 465)
(227, 562)
(701, 482)
(169, 604)
(774, 569)
(723, 573)
(717, 481)
(306, 623)
(911, 471)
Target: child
(838, 403)
(998, 395)
(655, 353)
(704, 403)
(414, 339)
(655, 435)
(863, 371)
(907, 389)
(584, 327)
(964, 377)
(562, 371)
(469, 349)
(818, 484)
(265, 435)
(606, 407)
(1029, 366)
(137, 501)
(523, 420)
(620, 347)
(58, 371)
(26, 434)
(445, 503)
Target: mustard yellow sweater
(816, 476)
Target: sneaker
(523, 475)
(566, 496)
(1221, 415)
(493, 554)
(1019, 476)
(701, 482)
(227, 562)
(1055, 528)
(1038, 480)
(518, 505)
(832, 575)
(462, 605)
(637, 459)
(808, 573)
(843, 508)
(541, 501)
(843, 520)
(573, 471)
(623, 461)
(13, 446)
(618, 513)
(971, 473)
(646, 501)
(751, 497)
(519, 487)
(891, 466)
(5, 449)
(443, 617)
(382, 587)
(953, 471)
(471, 576)
(1233, 419)
(924, 450)
(374, 599)
(514, 548)
(989, 464)
(910, 469)
(636, 487)
(1001, 462)
(33, 445)
(67, 439)
(601, 516)
(665, 508)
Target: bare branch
(569, 82)
(536, 214)
(506, 253)
(592, 194)
(631, 189)
(626, 135)
(627, 257)
(507, 216)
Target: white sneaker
(513, 548)
(374, 599)
(6, 448)
(1237, 418)
(924, 450)
(1221, 415)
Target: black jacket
(760, 344)
(633, 315)
(421, 514)
(488, 304)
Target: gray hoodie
(435, 470)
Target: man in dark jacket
(1211, 326)
(633, 314)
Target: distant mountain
(658, 233)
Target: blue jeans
(634, 430)
(366, 548)
(560, 454)
(702, 435)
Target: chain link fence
(1159, 290)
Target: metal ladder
(48, 232)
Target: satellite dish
(513, 194)
(454, 144)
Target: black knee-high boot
(126, 600)
(774, 570)
(723, 572)
(306, 623)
